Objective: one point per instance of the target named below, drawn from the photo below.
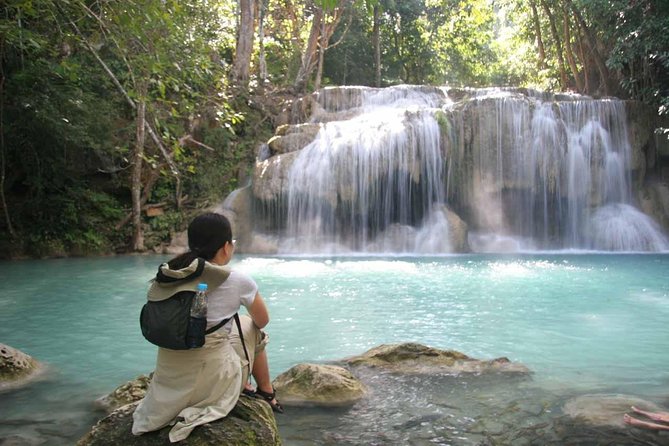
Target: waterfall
(362, 175)
(394, 169)
(621, 227)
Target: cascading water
(399, 169)
(364, 179)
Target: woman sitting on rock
(662, 417)
(197, 386)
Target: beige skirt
(193, 387)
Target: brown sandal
(276, 407)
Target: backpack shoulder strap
(241, 338)
(217, 326)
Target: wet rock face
(251, 422)
(16, 367)
(411, 358)
(322, 385)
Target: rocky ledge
(250, 423)
(412, 358)
(16, 367)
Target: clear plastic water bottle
(197, 323)
(198, 307)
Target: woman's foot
(656, 416)
(249, 390)
(643, 424)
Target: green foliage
(423, 42)
(68, 133)
(640, 53)
(352, 61)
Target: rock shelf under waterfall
(429, 170)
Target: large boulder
(16, 367)
(605, 409)
(321, 385)
(413, 358)
(251, 423)
(271, 175)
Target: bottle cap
(202, 287)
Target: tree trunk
(592, 43)
(262, 64)
(322, 46)
(3, 167)
(309, 53)
(537, 32)
(568, 52)
(136, 182)
(585, 63)
(558, 46)
(242, 63)
(154, 174)
(376, 31)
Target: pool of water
(586, 323)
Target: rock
(413, 358)
(264, 245)
(289, 143)
(296, 111)
(271, 175)
(322, 385)
(654, 201)
(458, 232)
(290, 138)
(127, 393)
(237, 209)
(16, 367)
(178, 244)
(307, 129)
(251, 422)
(640, 121)
(605, 409)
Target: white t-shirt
(224, 301)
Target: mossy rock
(318, 385)
(250, 423)
(127, 393)
(413, 358)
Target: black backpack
(167, 323)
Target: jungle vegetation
(119, 119)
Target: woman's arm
(258, 312)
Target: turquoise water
(582, 323)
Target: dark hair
(207, 233)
